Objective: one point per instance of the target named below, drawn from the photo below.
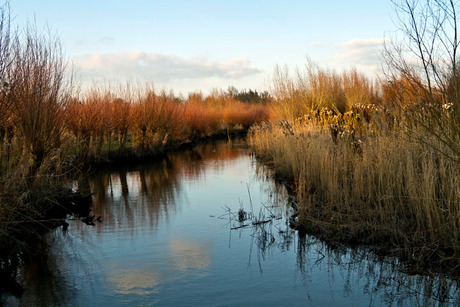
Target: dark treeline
(249, 96)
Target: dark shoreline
(133, 156)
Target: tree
(424, 53)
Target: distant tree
(232, 91)
(248, 96)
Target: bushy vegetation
(359, 179)
(144, 120)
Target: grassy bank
(401, 196)
(111, 123)
(365, 173)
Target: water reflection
(329, 270)
(150, 190)
(379, 278)
(167, 239)
(53, 290)
(134, 281)
(189, 254)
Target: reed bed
(362, 174)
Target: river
(170, 235)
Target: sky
(199, 45)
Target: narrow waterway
(170, 235)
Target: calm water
(166, 239)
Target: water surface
(166, 239)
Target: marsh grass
(391, 192)
(359, 186)
(315, 88)
(359, 167)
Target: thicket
(145, 120)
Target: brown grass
(361, 177)
(317, 88)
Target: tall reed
(360, 176)
(316, 88)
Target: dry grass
(38, 92)
(202, 119)
(316, 88)
(238, 114)
(358, 172)
(383, 190)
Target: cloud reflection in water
(190, 254)
(139, 281)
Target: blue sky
(201, 45)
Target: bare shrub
(39, 91)
(425, 56)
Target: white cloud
(364, 54)
(158, 67)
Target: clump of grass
(203, 120)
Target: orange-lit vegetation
(358, 168)
(318, 88)
(102, 121)
(113, 120)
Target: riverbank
(385, 191)
(135, 155)
(28, 213)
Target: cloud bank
(160, 68)
(365, 54)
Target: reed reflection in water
(166, 239)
